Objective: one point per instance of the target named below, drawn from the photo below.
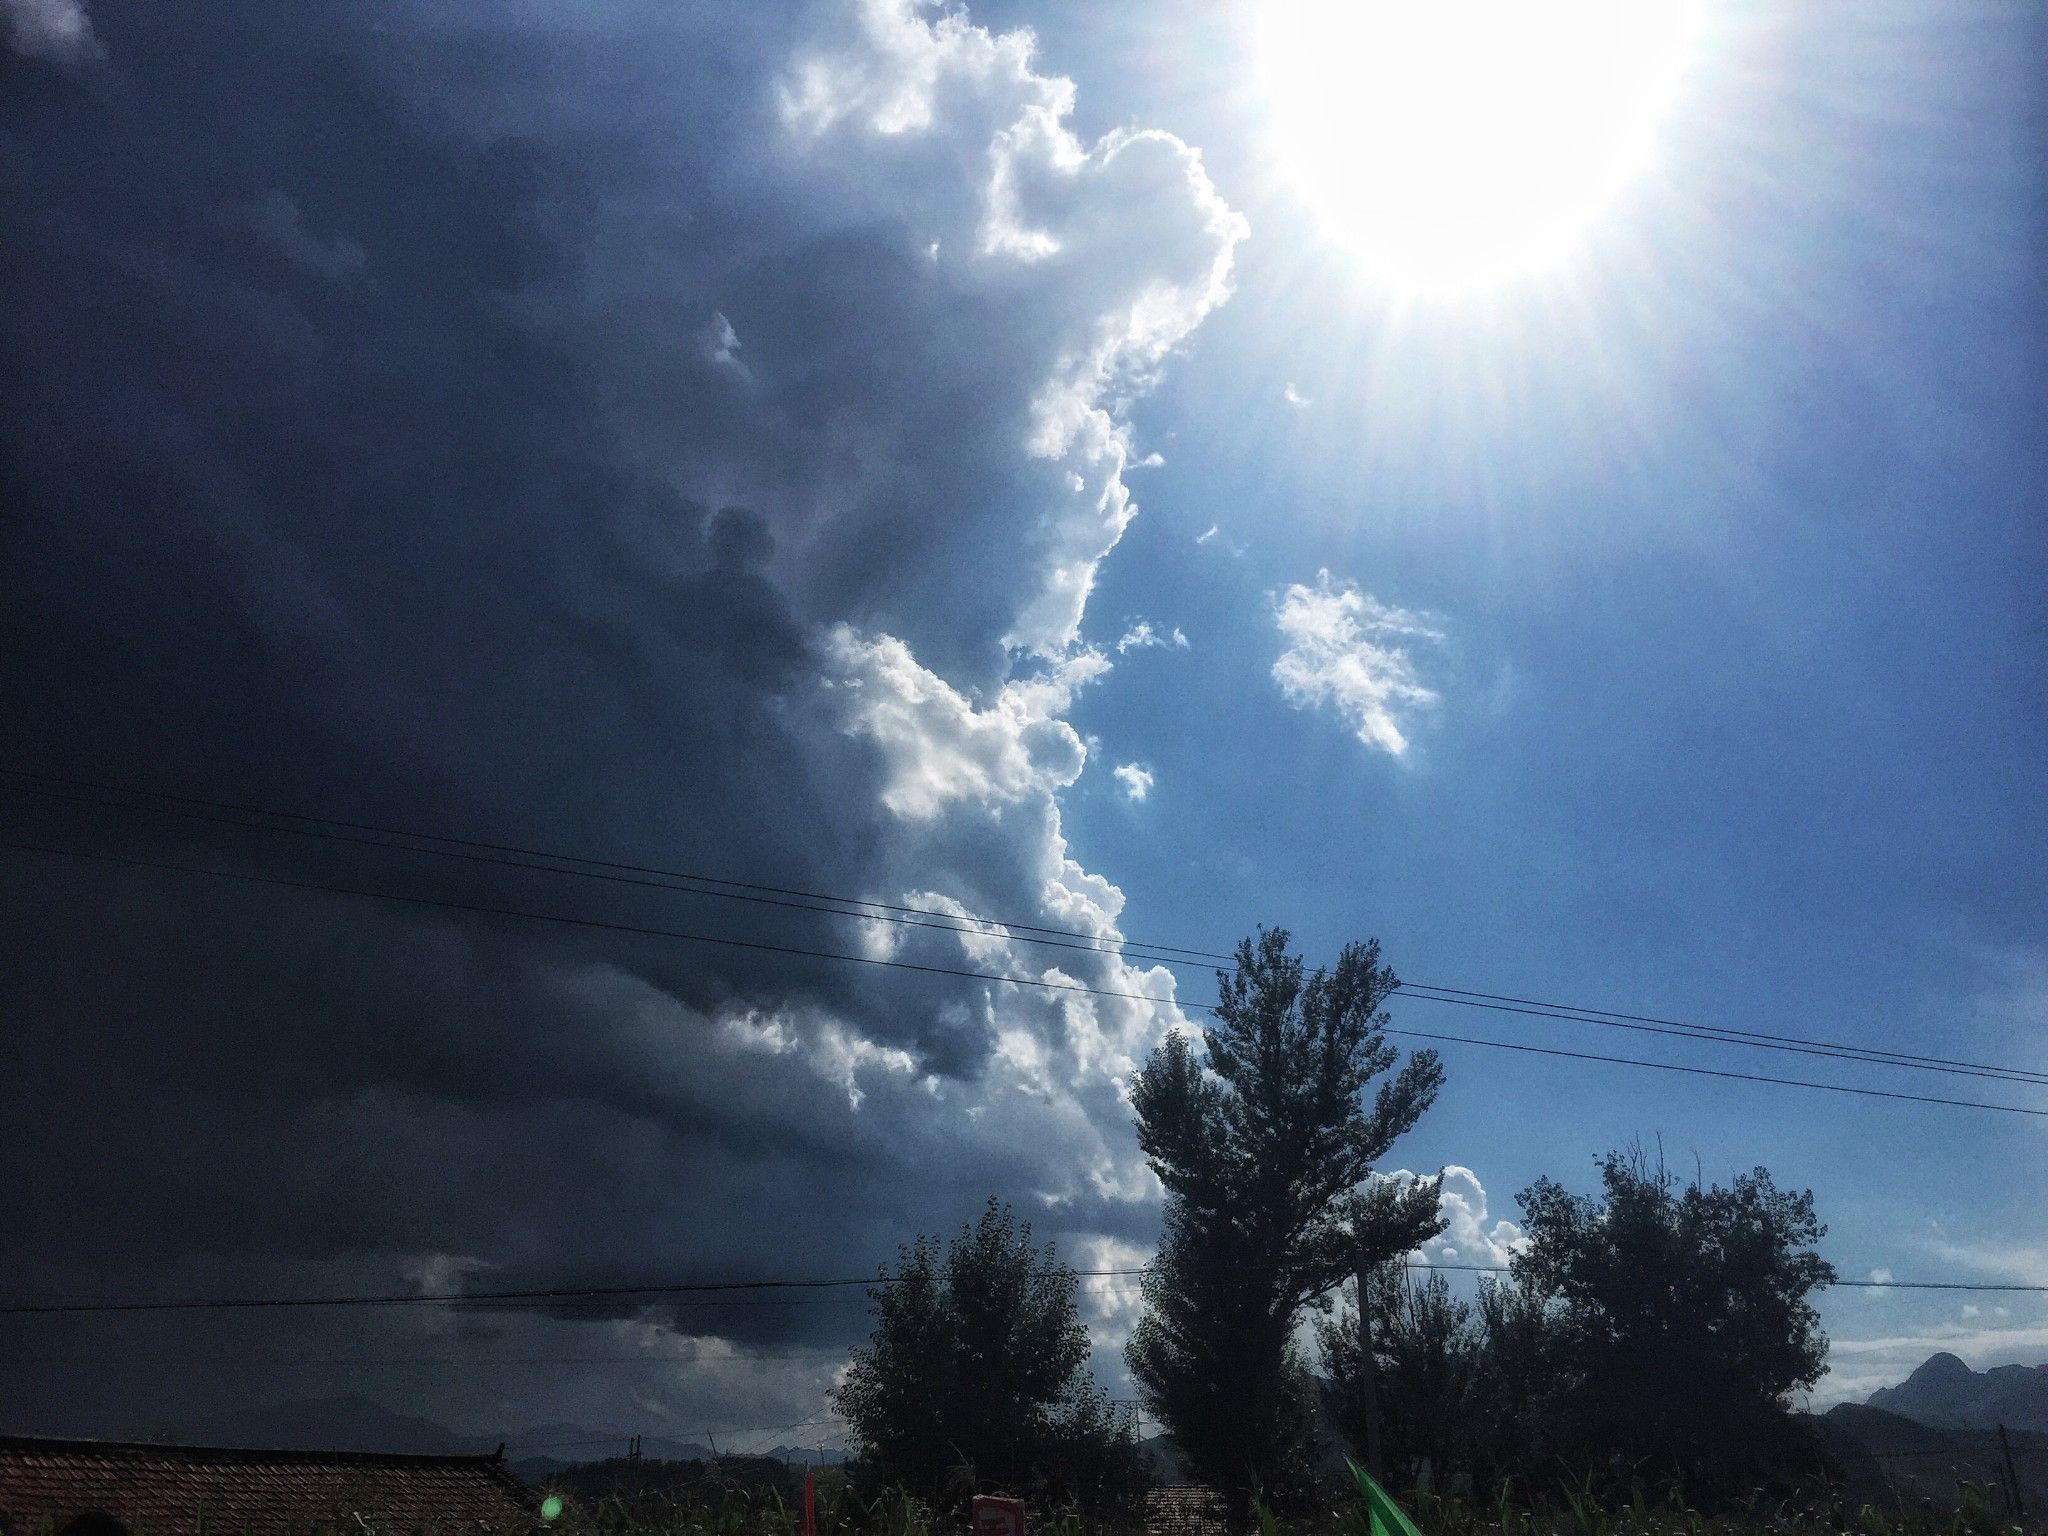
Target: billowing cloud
(55, 31)
(1472, 1234)
(1343, 654)
(938, 746)
(416, 487)
(1136, 780)
(1111, 1304)
(1129, 232)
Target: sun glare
(1457, 143)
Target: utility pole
(2012, 1476)
(1368, 1377)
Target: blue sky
(764, 443)
(1733, 539)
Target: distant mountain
(355, 1423)
(333, 1424)
(1946, 1392)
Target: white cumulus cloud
(1473, 1235)
(939, 746)
(1137, 781)
(1128, 231)
(1111, 1304)
(1343, 654)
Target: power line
(1686, 1032)
(958, 923)
(691, 1288)
(224, 1359)
(923, 917)
(641, 930)
(560, 1294)
(519, 859)
(1744, 1077)
(1872, 1285)
(1896, 1057)
(763, 946)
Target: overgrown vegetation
(1640, 1356)
(1650, 1336)
(976, 1379)
(705, 1503)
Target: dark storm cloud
(366, 453)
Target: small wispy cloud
(2022, 1263)
(1295, 397)
(1137, 781)
(275, 219)
(721, 346)
(1143, 634)
(1341, 654)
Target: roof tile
(181, 1490)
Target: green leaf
(1388, 1518)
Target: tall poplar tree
(1267, 1155)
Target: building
(115, 1488)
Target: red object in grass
(810, 1505)
(998, 1517)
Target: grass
(720, 1506)
(713, 1507)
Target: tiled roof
(180, 1490)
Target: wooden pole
(1368, 1380)
(2012, 1476)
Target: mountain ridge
(1945, 1392)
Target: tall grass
(740, 1511)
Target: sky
(971, 459)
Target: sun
(1455, 144)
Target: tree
(1681, 1318)
(976, 1375)
(1520, 1397)
(1267, 1157)
(1426, 1359)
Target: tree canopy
(1652, 1333)
(1267, 1155)
(1682, 1313)
(976, 1376)
(1426, 1366)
